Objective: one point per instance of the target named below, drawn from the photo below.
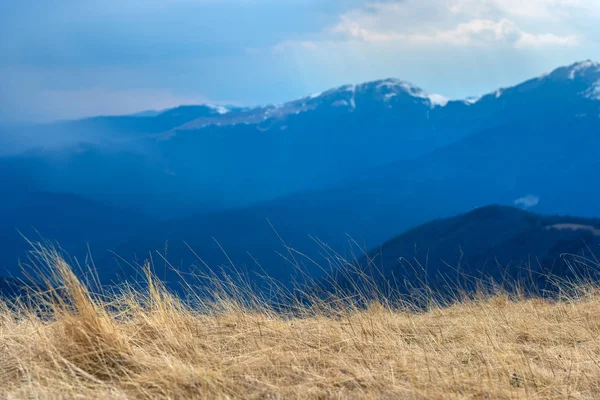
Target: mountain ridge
(573, 71)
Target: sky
(74, 58)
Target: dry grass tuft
(70, 343)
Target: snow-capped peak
(396, 86)
(583, 67)
(388, 90)
(346, 95)
(590, 72)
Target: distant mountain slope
(70, 221)
(104, 131)
(495, 241)
(240, 240)
(499, 242)
(144, 124)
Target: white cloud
(461, 22)
(515, 24)
(547, 39)
(544, 9)
(473, 32)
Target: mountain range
(365, 161)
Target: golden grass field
(148, 344)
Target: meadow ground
(150, 344)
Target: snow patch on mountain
(472, 100)
(576, 227)
(399, 85)
(528, 201)
(219, 109)
(353, 99)
(394, 87)
(438, 100)
(593, 92)
(543, 76)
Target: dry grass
(148, 344)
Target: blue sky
(73, 58)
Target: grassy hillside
(229, 344)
